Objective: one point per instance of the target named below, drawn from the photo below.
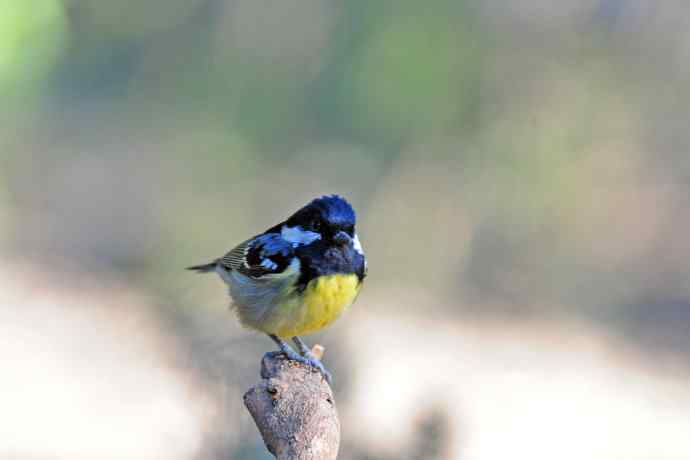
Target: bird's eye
(349, 229)
(316, 225)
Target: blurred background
(522, 179)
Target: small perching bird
(298, 276)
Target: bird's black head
(331, 217)
(324, 237)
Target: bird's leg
(285, 349)
(301, 346)
(311, 359)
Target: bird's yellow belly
(322, 301)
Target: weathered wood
(294, 409)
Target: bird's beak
(342, 238)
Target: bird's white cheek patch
(357, 245)
(298, 236)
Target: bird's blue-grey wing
(262, 255)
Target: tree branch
(294, 409)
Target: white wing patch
(357, 245)
(298, 236)
(269, 264)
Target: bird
(297, 277)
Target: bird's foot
(309, 359)
(313, 361)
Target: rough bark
(294, 409)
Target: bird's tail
(205, 268)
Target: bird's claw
(308, 359)
(312, 361)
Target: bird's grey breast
(255, 298)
